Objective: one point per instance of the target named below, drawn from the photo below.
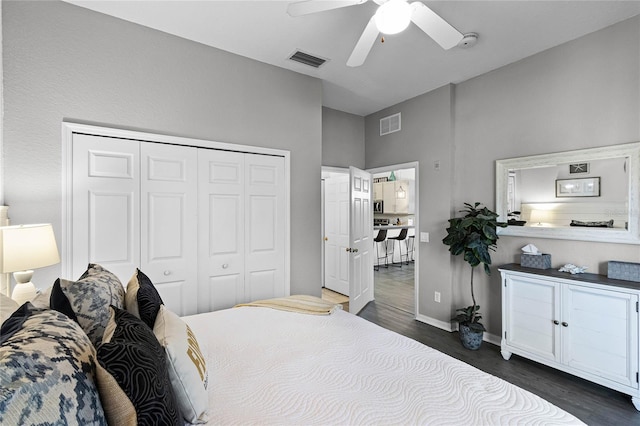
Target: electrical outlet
(436, 296)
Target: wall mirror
(589, 194)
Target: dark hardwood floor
(591, 403)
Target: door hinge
(637, 377)
(505, 334)
(636, 306)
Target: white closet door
(265, 227)
(106, 206)
(220, 229)
(169, 202)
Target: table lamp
(538, 217)
(24, 248)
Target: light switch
(424, 237)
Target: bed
(269, 366)
(89, 353)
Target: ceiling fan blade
(364, 44)
(435, 27)
(307, 7)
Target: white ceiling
(406, 65)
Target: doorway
(396, 201)
(395, 285)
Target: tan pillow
(7, 307)
(185, 363)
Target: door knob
(167, 273)
(564, 324)
(354, 250)
(556, 322)
(348, 249)
(326, 238)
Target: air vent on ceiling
(390, 124)
(307, 59)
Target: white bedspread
(273, 367)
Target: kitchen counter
(394, 227)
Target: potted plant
(473, 235)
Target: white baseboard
(443, 325)
(446, 326)
(491, 338)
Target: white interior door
(360, 239)
(336, 274)
(106, 205)
(168, 204)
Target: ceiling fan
(392, 17)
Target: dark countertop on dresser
(584, 277)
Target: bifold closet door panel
(169, 229)
(221, 229)
(106, 205)
(264, 224)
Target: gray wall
(342, 139)
(426, 137)
(62, 62)
(585, 93)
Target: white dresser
(584, 324)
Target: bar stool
(381, 238)
(411, 242)
(400, 238)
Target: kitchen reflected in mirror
(570, 195)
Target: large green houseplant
(474, 236)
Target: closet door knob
(225, 265)
(556, 322)
(167, 273)
(564, 324)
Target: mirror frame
(625, 236)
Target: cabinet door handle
(348, 249)
(225, 265)
(354, 250)
(167, 273)
(564, 324)
(556, 322)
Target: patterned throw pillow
(142, 299)
(87, 300)
(133, 381)
(47, 371)
(186, 365)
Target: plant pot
(470, 338)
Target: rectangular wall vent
(390, 124)
(307, 59)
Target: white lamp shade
(25, 247)
(539, 216)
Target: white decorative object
(588, 328)
(573, 269)
(23, 248)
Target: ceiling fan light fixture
(393, 16)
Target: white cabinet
(587, 327)
(391, 192)
(377, 190)
(207, 226)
